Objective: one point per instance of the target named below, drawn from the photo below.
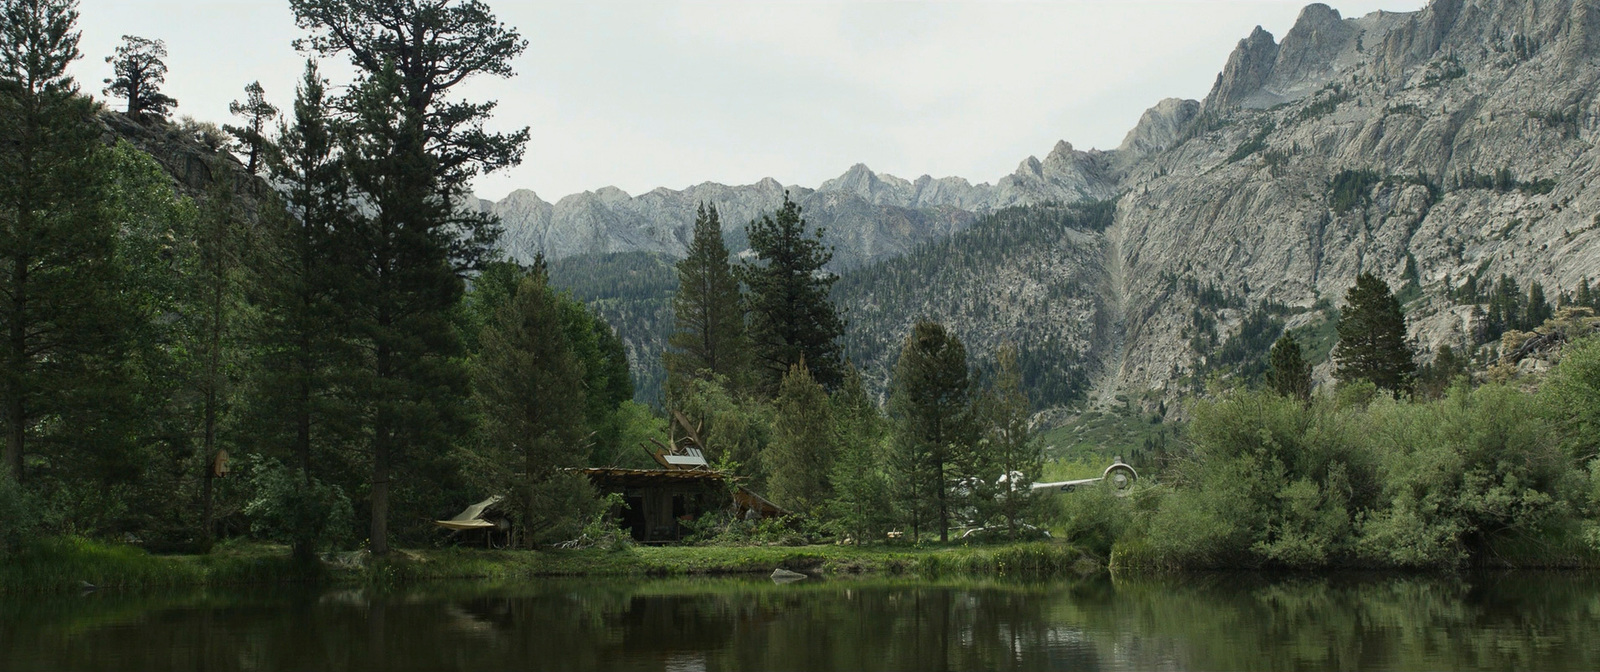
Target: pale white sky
(668, 93)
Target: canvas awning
(471, 518)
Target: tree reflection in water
(1238, 622)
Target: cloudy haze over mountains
(669, 93)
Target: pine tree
(607, 380)
(1585, 295)
(58, 268)
(1010, 449)
(1435, 378)
(801, 455)
(1372, 338)
(215, 292)
(140, 72)
(1506, 308)
(257, 113)
(305, 361)
(709, 340)
(1291, 374)
(411, 156)
(528, 386)
(1538, 309)
(930, 407)
(861, 507)
(791, 317)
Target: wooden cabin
(658, 501)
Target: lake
(1531, 621)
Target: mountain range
(867, 216)
(1427, 147)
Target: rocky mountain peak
(523, 196)
(611, 194)
(1312, 48)
(1314, 19)
(1159, 128)
(1248, 68)
(1030, 166)
(859, 180)
(871, 187)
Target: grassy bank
(66, 564)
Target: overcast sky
(664, 93)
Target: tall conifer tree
(1372, 338)
(412, 154)
(1291, 374)
(710, 340)
(215, 291)
(861, 505)
(801, 455)
(1538, 307)
(252, 136)
(930, 407)
(1009, 452)
(305, 360)
(58, 267)
(140, 71)
(528, 384)
(791, 318)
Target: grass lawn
(67, 564)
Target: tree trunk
(206, 531)
(380, 494)
(302, 433)
(382, 437)
(16, 434)
(17, 405)
(208, 446)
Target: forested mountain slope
(631, 291)
(1029, 276)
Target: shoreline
(74, 564)
(71, 564)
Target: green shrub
(1462, 474)
(286, 507)
(1572, 397)
(19, 521)
(1094, 518)
(1272, 482)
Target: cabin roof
(650, 476)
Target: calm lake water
(1539, 621)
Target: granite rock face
(1419, 103)
(1459, 140)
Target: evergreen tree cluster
(319, 339)
(1506, 307)
(950, 452)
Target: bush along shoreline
(1486, 477)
